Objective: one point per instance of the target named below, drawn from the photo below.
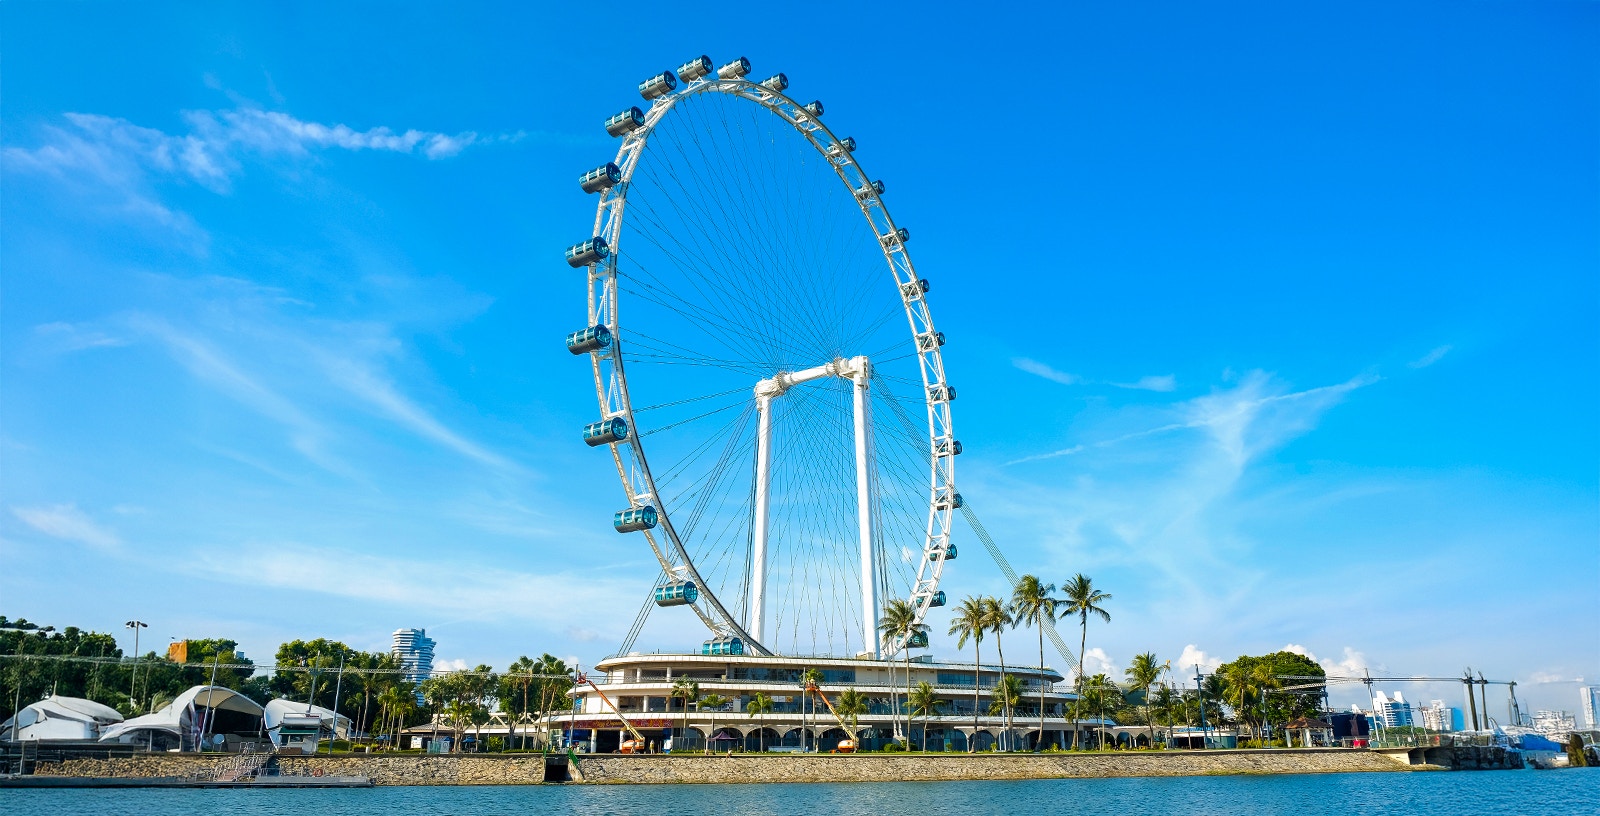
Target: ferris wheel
(769, 380)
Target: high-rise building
(1589, 706)
(1395, 713)
(414, 649)
(1440, 717)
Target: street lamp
(135, 625)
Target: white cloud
(455, 665)
(1295, 648)
(1430, 358)
(1353, 664)
(1042, 370)
(1096, 661)
(1165, 382)
(68, 523)
(1193, 656)
(1547, 677)
(66, 337)
(466, 590)
(364, 383)
(110, 153)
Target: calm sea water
(1566, 792)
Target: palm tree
(1098, 690)
(689, 690)
(1141, 673)
(1031, 604)
(924, 702)
(1264, 679)
(554, 681)
(851, 705)
(1083, 600)
(760, 706)
(808, 681)
(968, 622)
(997, 618)
(899, 623)
(1005, 696)
(519, 677)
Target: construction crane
(848, 744)
(636, 745)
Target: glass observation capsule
(628, 120)
(946, 553)
(735, 69)
(947, 447)
(929, 341)
(591, 251)
(594, 338)
(634, 519)
(930, 601)
(677, 593)
(942, 393)
(899, 236)
(918, 640)
(695, 68)
(776, 82)
(843, 146)
(600, 178)
(722, 646)
(914, 289)
(948, 501)
(605, 432)
(814, 107)
(659, 85)
(871, 188)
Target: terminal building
(641, 687)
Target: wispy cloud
(67, 337)
(1165, 382)
(455, 588)
(111, 153)
(1431, 357)
(1227, 415)
(1045, 371)
(361, 381)
(68, 523)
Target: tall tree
(1005, 696)
(899, 624)
(709, 705)
(1032, 604)
(808, 683)
(688, 689)
(1143, 671)
(969, 621)
(759, 706)
(851, 705)
(997, 618)
(1083, 600)
(925, 703)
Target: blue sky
(1279, 322)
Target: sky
(1279, 321)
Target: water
(1567, 792)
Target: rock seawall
(610, 769)
(468, 769)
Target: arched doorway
(760, 739)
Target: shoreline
(618, 769)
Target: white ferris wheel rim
(603, 310)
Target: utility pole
(1200, 687)
(135, 625)
(337, 687)
(1483, 690)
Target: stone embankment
(400, 769)
(610, 769)
(527, 769)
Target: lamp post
(135, 625)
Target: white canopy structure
(278, 709)
(181, 723)
(60, 719)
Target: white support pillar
(861, 377)
(758, 555)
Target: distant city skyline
(1278, 322)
